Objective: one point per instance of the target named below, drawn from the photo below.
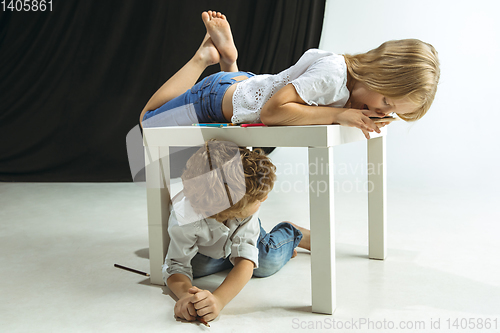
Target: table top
(266, 136)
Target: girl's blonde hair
(407, 68)
(252, 183)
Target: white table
(320, 140)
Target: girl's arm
(208, 305)
(286, 107)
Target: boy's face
(377, 105)
(252, 208)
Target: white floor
(59, 242)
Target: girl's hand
(380, 125)
(207, 305)
(356, 118)
(184, 308)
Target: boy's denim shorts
(275, 249)
(204, 99)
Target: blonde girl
(398, 77)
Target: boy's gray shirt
(191, 233)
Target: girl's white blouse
(319, 77)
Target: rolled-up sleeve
(244, 241)
(181, 250)
(323, 82)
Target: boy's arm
(237, 278)
(179, 284)
(286, 107)
(181, 250)
(208, 305)
(184, 308)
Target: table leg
(377, 203)
(158, 200)
(322, 230)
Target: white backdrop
(456, 142)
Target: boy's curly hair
(243, 177)
(407, 68)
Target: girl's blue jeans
(203, 101)
(275, 249)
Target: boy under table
(320, 140)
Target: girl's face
(377, 104)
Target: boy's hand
(207, 305)
(184, 308)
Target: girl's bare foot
(207, 53)
(305, 242)
(294, 253)
(219, 30)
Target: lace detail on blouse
(319, 77)
(251, 95)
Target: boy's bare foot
(207, 53)
(294, 253)
(305, 242)
(219, 30)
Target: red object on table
(252, 125)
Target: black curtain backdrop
(74, 80)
